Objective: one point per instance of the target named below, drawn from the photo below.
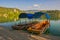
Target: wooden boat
(40, 27)
(34, 27)
(23, 26)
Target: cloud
(36, 5)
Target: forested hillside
(55, 14)
(9, 14)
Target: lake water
(54, 26)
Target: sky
(31, 4)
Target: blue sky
(31, 4)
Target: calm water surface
(55, 27)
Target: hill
(55, 14)
(9, 14)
